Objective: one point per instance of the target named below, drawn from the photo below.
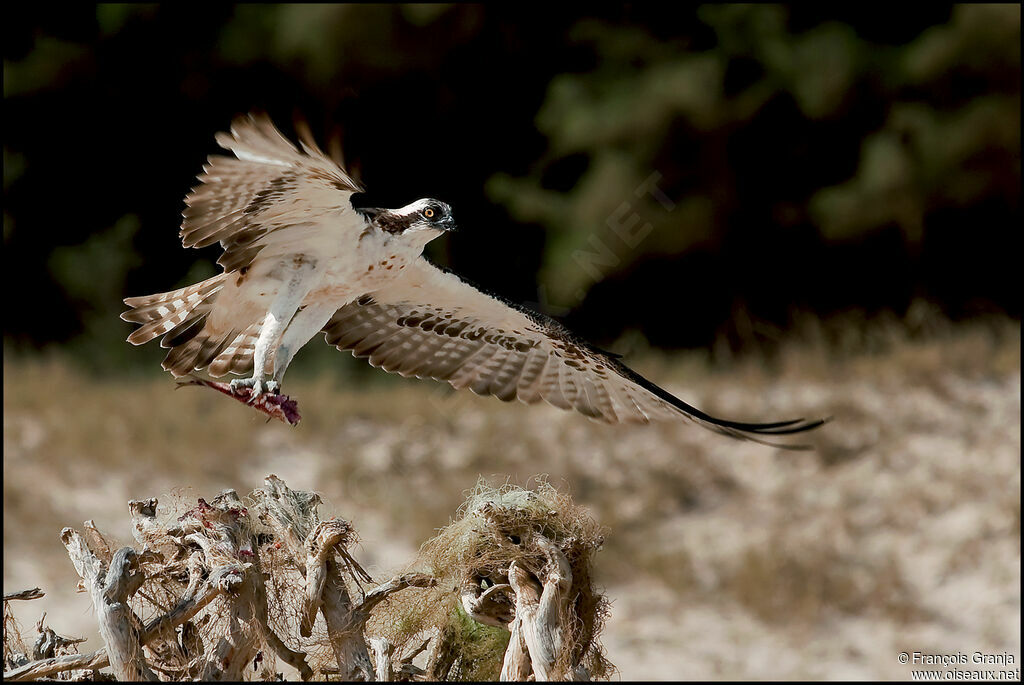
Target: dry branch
(540, 607)
(382, 651)
(491, 607)
(110, 592)
(49, 644)
(46, 668)
(188, 608)
(234, 584)
(520, 562)
(293, 516)
(322, 547)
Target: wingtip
(801, 428)
(789, 427)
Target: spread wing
(269, 184)
(431, 324)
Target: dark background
(818, 160)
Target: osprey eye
(429, 213)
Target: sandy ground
(724, 560)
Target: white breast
(369, 262)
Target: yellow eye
(429, 213)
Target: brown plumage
(431, 324)
(180, 317)
(297, 254)
(267, 187)
(240, 202)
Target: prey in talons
(254, 387)
(273, 404)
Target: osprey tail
(180, 317)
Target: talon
(255, 385)
(239, 384)
(258, 389)
(273, 387)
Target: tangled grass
(493, 528)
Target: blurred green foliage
(93, 274)
(932, 149)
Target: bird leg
(298, 284)
(306, 323)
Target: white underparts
(303, 326)
(298, 284)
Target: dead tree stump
(228, 589)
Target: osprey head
(428, 215)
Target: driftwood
(535, 622)
(233, 587)
(16, 654)
(110, 589)
(293, 515)
(49, 644)
(382, 652)
(96, 660)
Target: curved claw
(241, 383)
(257, 390)
(257, 387)
(254, 385)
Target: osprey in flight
(300, 259)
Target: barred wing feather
(430, 323)
(270, 184)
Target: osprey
(299, 259)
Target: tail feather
(163, 312)
(180, 316)
(189, 328)
(194, 354)
(237, 355)
(153, 307)
(209, 349)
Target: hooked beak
(449, 224)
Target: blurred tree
(760, 132)
(942, 150)
(93, 274)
